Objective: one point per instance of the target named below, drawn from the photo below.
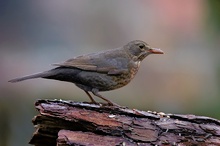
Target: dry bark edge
(64, 123)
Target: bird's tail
(33, 76)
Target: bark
(66, 123)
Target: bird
(102, 71)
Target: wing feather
(111, 62)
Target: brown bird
(102, 71)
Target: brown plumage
(102, 71)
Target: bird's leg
(92, 99)
(95, 92)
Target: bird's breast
(133, 67)
(125, 78)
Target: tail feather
(37, 75)
(59, 73)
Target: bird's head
(140, 49)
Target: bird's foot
(110, 103)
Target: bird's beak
(155, 51)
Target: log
(68, 123)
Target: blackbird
(102, 71)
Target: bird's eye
(141, 46)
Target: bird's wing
(111, 62)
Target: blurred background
(35, 34)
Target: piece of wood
(67, 123)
